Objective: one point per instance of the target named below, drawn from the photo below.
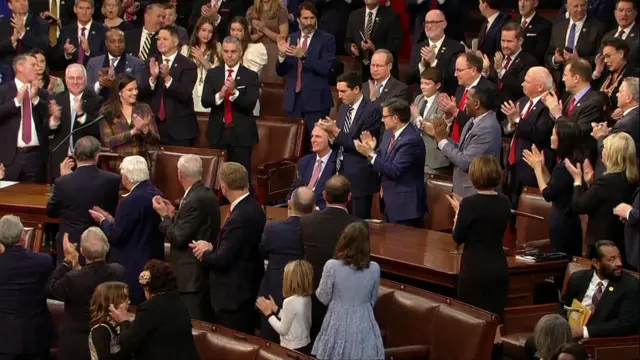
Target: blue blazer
(355, 167)
(134, 235)
(402, 173)
(25, 323)
(306, 164)
(315, 93)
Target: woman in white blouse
(254, 54)
(204, 50)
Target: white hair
(75, 66)
(190, 166)
(94, 244)
(11, 230)
(543, 76)
(632, 84)
(135, 168)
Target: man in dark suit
(62, 12)
(74, 285)
(382, 86)
(400, 162)
(631, 214)
(80, 41)
(491, 28)
(102, 70)
(530, 123)
(25, 322)
(143, 42)
(579, 35)
(24, 126)
(222, 12)
(611, 293)
(281, 244)
(234, 261)
(309, 54)
(231, 91)
(133, 233)
(601, 10)
(627, 29)
(21, 32)
(313, 170)
(334, 19)
(356, 115)
(537, 30)
(197, 218)
(450, 9)
(170, 94)
(437, 50)
(78, 191)
(72, 109)
(370, 28)
(510, 65)
(320, 232)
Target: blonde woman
(206, 52)
(104, 338)
(268, 21)
(293, 321)
(597, 198)
(112, 11)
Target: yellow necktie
(53, 28)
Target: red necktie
(505, 67)
(162, 112)
(512, 151)
(299, 79)
(81, 53)
(19, 47)
(456, 126)
(572, 104)
(26, 117)
(433, 5)
(228, 116)
(524, 24)
(393, 140)
(316, 174)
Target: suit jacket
(401, 168)
(131, 65)
(96, 34)
(482, 138)
(133, 43)
(244, 132)
(434, 159)
(446, 56)
(587, 110)
(315, 93)
(385, 34)
(75, 288)
(304, 172)
(485, 85)
(601, 10)
(537, 36)
(160, 331)
(198, 218)
(451, 9)
(629, 124)
(513, 77)
(617, 311)
(25, 323)
(10, 117)
(36, 36)
(632, 39)
(134, 235)
(632, 233)
(355, 167)
(91, 106)
(227, 11)
(605, 85)
(235, 263)
(180, 122)
(393, 89)
(489, 39)
(66, 15)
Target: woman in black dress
(565, 229)
(480, 223)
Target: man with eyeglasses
(418, 9)
(437, 50)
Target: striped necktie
(144, 52)
(346, 127)
(368, 28)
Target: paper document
(4, 184)
(578, 314)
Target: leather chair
(164, 168)
(532, 232)
(271, 100)
(203, 124)
(34, 235)
(441, 213)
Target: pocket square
(241, 87)
(530, 34)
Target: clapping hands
(70, 251)
(534, 158)
(200, 247)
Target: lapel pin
(632, 34)
(377, 19)
(610, 288)
(584, 30)
(238, 78)
(27, 28)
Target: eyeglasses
(427, 23)
(386, 116)
(461, 70)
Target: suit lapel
(584, 283)
(433, 108)
(609, 295)
(357, 115)
(376, 22)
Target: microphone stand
(270, 175)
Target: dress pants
(361, 206)
(167, 139)
(27, 166)
(198, 305)
(310, 119)
(239, 154)
(240, 319)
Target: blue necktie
(73, 120)
(572, 36)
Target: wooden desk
(26, 200)
(426, 256)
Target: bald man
(69, 111)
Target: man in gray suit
(102, 70)
(423, 110)
(480, 136)
(382, 85)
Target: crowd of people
(564, 94)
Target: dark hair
(632, 2)
(569, 141)
(581, 68)
(484, 96)
(577, 350)
(86, 148)
(162, 278)
(353, 247)
(212, 45)
(168, 6)
(46, 78)
(493, 4)
(514, 26)
(352, 79)
(399, 108)
(113, 107)
(473, 60)
(307, 5)
(599, 245)
(617, 44)
(173, 31)
(337, 189)
(245, 25)
(485, 172)
(432, 73)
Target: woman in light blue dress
(349, 287)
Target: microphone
(275, 170)
(64, 141)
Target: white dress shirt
(383, 83)
(523, 111)
(234, 74)
(491, 19)
(588, 296)
(430, 102)
(324, 160)
(396, 134)
(143, 37)
(528, 19)
(374, 12)
(443, 142)
(294, 323)
(97, 88)
(625, 31)
(437, 44)
(579, 25)
(355, 107)
(300, 42)
(34, 134)
(504, 63)
(171, 58)
(233, 204)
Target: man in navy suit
(134, 232)
(601, 10)
(79, 41)
(356, 115)
(25, 322)
(491, 29)
(306, 59)
(21, 32)
(316, 168)
(537, 30)
(400, 162)
(631, 214)
(76, 192)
